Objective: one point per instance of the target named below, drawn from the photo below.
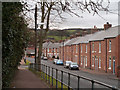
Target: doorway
(84, 62)
(96, 63)
(113, 66)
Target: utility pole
(35, 34)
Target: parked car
(45, 58)
(59, 62)
(73, 65)
(66, 65)
(54, 61)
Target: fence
(53, 73)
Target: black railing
(48, 72)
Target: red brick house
(51, 49)
(98, 51)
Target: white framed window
(86, 48)
(92, 47)
(48, 49)
(109, 45)
(81, 60)
(99, 47)
(81, 48)
(109, 62)
(76, 58)
(54, 49)
(99, 62)
(76, 48)
(86, 61)
(92, 61)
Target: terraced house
(98, 51)
(50, 49)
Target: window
(99, 62)
(86, 61)
(48, 49)
(81, 60)
(54, 49)
(92, 61)
(86, 48)
(92, 47)
(99, 47)
(81, 48)
(110, 62)
(76, 49)
(109, 45)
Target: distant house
(51, 49)
(30, 52)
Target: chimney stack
(71, 36)
(94, 29)
(77, 34)
(106, 26)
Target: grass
(58, 37)
(71, 31)
(50, 84)
(27, 62)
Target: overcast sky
(87, 20)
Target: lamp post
(35, 32)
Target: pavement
(109, 75)
(26, 79)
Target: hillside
(65, 34)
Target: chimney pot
(107, 25)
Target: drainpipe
(71, 52)
(79, 55)
(106, 55)
(90, 55)
(63, 51)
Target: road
(73, 80)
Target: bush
(14, 39)
(53, 57)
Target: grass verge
(27, 62)
(49, 79)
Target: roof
(97, 36)
(84, 39)
(30, 51)
(101, 35)
(109, 33)
(112, 32)
(51, 45)
(46, 44)
(72, 41)
(64, 43)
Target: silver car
(73, 65)
(54, 61)
(45, 58)
(66, 65)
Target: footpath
(26, 79)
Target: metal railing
(48, 71)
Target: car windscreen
(74, 63)
(68, 62)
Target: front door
(84, 62)
(96, 63)
(113, 66)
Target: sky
(87, 20)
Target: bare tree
(56, 8)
